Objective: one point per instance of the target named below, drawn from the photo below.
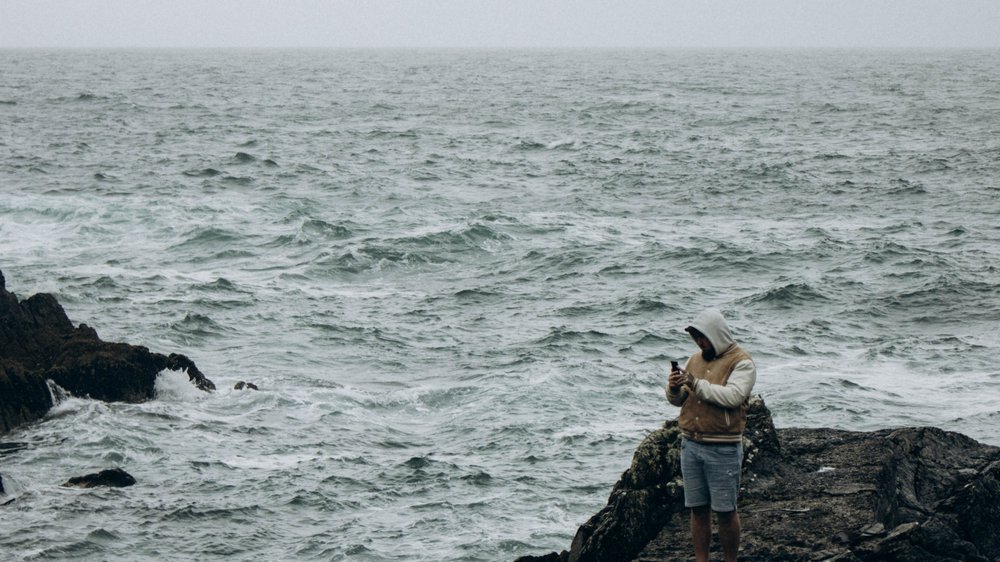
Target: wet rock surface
(24, 397)
(38, 342)
(813, 494)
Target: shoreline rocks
(812, 494)
(38, 342)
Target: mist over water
(458, 277)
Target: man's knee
(726, 517)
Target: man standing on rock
(712, 391)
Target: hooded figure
(720, 378)
(712, 325)
(712, 390)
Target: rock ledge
(910, 494)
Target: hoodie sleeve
(677, 398)
(734, 392)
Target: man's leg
(697, 498)
(724, 482)
(729, 534)
(701, 531)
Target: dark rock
(815, 494)
(24, 397)
(247, 385)
(943, 488)
(178, 362)
(648, 495)
(38, 342)
(651, 493)
(114, 478)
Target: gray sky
(499, 23)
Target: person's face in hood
(707, 349)
(710, 331)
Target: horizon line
(505, 47)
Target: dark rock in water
(247, 385)
(24, 397)
(813, 494)
(646, 497)
(114, 372)
(38, 342)
(114, 478)
(4, 492)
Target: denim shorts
(711, 474)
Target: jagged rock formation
(38, 342)
(911, 494)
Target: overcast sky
(499, 23)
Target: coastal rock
(648, 495)
(814, 494)
(24, 397)
(651, 492)
(113, 478)
(3, 493)
(38, 342)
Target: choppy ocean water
(458, 276)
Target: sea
(457, 277)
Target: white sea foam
(175, 386)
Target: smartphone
(674, 366)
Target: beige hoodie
(737, 389)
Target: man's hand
(677, 379)
(689, 380)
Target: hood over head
(711, 323)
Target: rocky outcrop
(38, 342)
(112, 478)
(813, 494)
(23, 397)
